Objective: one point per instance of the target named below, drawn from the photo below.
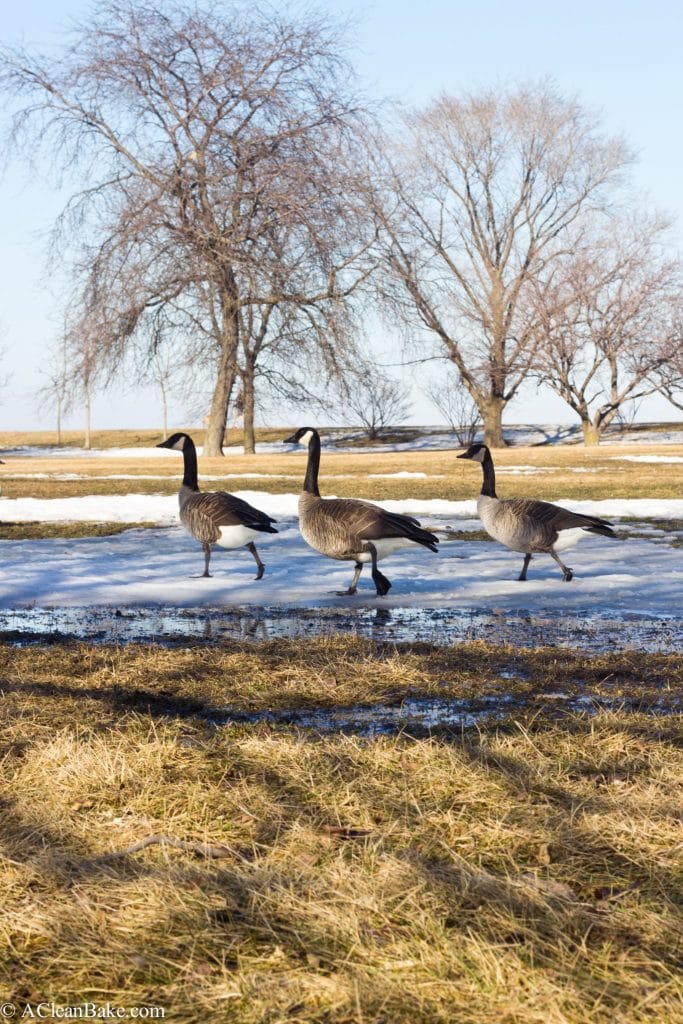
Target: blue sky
(621, 59)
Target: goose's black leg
(522, 576)
(358, 568)
(566, 571)
(207, 557)
(381, 582)
(261, 567)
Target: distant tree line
(239, 207)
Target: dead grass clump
(64, 530)
(530, 873)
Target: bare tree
(197, 130)
(377, 399)
(478, 199)
(455, 403)
(669, 376)
(55, 391)
(608, 321)
(162, 371)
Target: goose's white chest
(499, 524)
(488, 510)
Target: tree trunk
(225, 382)
(248, 408)
(87, 444)
(59, 422)
(591, 433)
(492, 417)
(164, 412)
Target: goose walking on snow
(349, 529)
(216, 517)
(528, 526)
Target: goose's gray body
(349, 529)
(529, 526)
(216, 517)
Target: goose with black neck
(216, 517)
(527, 525)
(350, 529)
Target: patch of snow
(160, 508)
(647, 458)
(156, 567)
(146, 476)
(57, 452)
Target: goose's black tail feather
(593, 524)
(604, 529)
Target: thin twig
(206, 849)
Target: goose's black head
(177, 441)
(303, 435)
(477, 452)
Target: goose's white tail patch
(235, 536)
(386, 546)
(568, 538)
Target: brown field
(571, 472)
(529, 871)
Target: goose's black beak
(164, 444)
(465, 455)
(290, 440)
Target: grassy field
(561, 472)
(528, 871)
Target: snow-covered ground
(428, 438)
(163, 508)
(625, 578)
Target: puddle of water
(421, 716)
(443, 626)
(418, 715)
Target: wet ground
(423, 716)
(585, 629)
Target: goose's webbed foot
(567, 573)
(259, 564)
(358, 568)
(382, 583)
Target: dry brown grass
(41, 531)
(565, 472)
(520, 874)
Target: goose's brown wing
(368, 522)
(218, 508)
(552, 519)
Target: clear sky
(619, 57)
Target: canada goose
(351, 529)
(529, 526)
(215, 517)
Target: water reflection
(584, 629)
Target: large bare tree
(479, 195)
(609, 321)
(196, 129)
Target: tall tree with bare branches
(196, 129)
(609, 321)
(479, 197)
